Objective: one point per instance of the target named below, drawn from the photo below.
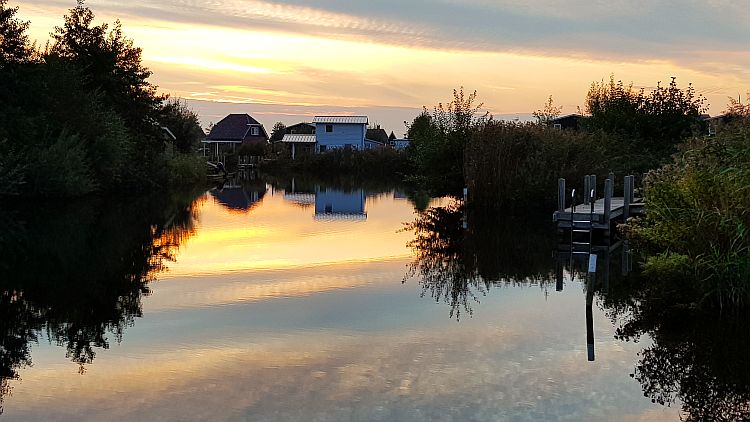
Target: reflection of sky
(333, 336)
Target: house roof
(358, 120)
(378, 134)
(300, 125)
(234, 127)
(299, 139)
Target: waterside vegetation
(80, 115)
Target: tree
(112, 65)
(652, 122)
(737, 108)
(14, 43)
(438, 139)
(548, 112)
(183, 123)
(277, 133)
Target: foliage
(183, 123)
(186, 169)
(738, 109)
(513, 166)
(82, 117)
(548, 112)
(278, 132)
(697, 221)
(379, 162)
(438, 139)
(112, 65)
(14, 43)
(654, 122)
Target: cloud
(634, 30)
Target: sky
(290, 60)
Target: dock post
(627, 196)
(586, 189)
(561, 194)
(608, 190)
(592, 183)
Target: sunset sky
(290, 60)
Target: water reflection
(76, 273)
(240, 194)
(335, 204)
(460, 255)
(699, 359)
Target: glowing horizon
(287, 60)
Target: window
(322, 148)
(255, 131)
(558, 126)
(329, 128)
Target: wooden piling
(586, 189)
(608, 190)
(627, 196)
(561, 194)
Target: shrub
(698, 214)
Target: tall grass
(515, 166)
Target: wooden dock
(589, 213)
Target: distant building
(233, 131)
(335, 132)
(300, 129)
(570, 121)
(300, 144)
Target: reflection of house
(233, 131)
(339, 205)
(237, 197)
(303, 195)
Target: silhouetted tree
(278, 132)
(14, 43)
(548, 112)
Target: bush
(186, 169)
(697, 214)
(62, 169)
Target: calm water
(299, 300)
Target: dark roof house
(300, 129)
(377, 134)
(238, 129)
(570, 121)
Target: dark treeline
(77, 272)
(80, 115)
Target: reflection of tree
(699, 357)
(458, 265)
(79, 271)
